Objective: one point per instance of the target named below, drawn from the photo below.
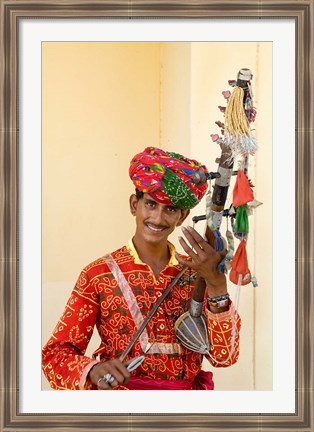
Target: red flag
(242, 192)
(240, 266)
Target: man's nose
(158, 216)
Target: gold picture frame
(11, 13)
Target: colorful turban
(167, 177)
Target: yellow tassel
(236, 122)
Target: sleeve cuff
(86, 370)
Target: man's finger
(103, 385)
(111, 380)
(120, 371)
(196, 240)
(187, 248)
(184, 261)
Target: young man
(117, 292)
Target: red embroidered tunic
(115, 293)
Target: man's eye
(150, 203)
(172, 209)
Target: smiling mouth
(155, 228)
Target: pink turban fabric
(167, 177)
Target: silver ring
(98, 382)
(108, 378)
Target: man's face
(155, 221)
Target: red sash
(202, 381)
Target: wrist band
(219, 305)
(218, 298)
(218, 302)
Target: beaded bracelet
(218, 298)
(218, 302)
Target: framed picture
(15, 335)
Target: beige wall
(102, 103)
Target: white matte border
(32, 34)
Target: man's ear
(184, 215)
(133, 204)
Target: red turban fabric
(167, 177)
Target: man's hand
(204, 260)
(113, 367)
